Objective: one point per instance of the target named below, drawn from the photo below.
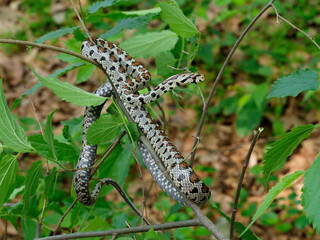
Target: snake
(179, 180)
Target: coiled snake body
(128, 77)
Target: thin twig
(63, 216)
(243, 172)
(156, 227)
(163, 122)
(116, 185)
(105, 156)
(157, 115)
(219, 76)
(135, 155)
(80, 19)
(294, 26)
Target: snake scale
(129, 77)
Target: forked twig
(243, 172)
(294, 26)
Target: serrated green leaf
(272, 194)
(106, 128)
(8, 174)
(56, 34)
(75, 126)
(293, 84)
(32, 182)
(113, 110)
(133, 128)
(69, 58)
(70, 93)
(178, 22)
(163, 61)
(65, 152)
(150, 44)
(118, 165)
(48, 135)
(128, 23)
(85, 72)
(278, 152)
(11, 134)
(49, 180)
(62, 71)
(102, 4)
(311, 194)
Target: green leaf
(172, 14)
(8, 174)
(106, 128)
(49, 181)
(272, 194)
(56, 34)
(85, 72)
(151, 235)
(70, 93)
(284, 227)
(11, 134)
(269, 219)
(65, 152)
(66, 134)
(239, 227)
(118, 165)
(62, 71)
(163, 61)
(70, 59)
(29, 228)
(150, 44)
(75, 126)
(32, 182)
(102, 4)
(278, 152)
(48, 135)
(250, 110)
(128, 23)
(155, 10)
(134, 132)
(311, 194)
(293, 84)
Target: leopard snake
(129, 77)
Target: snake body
(128, 77)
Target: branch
(243, 172)
(156, 227)
(63, 216)
(294, 26)
(49, 47)
(219, 76)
